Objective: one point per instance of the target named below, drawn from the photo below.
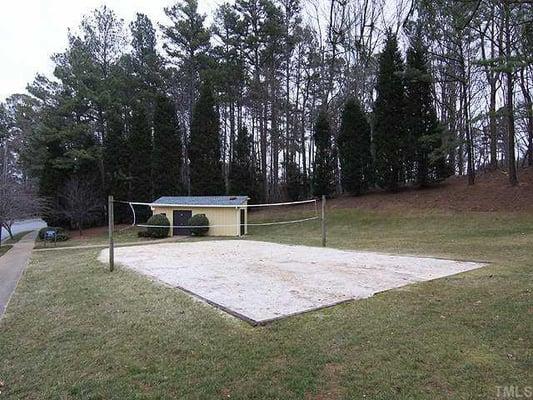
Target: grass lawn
(4, 248)
(122, 234)
(74, 330)
(10, 242)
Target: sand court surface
(260, 281)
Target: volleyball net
(265, 214)
(246, 215)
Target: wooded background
(276, 99)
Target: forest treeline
(278, 99)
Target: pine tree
(242, 173)
(323, 170)
(294, 181)
(140, 149)
(355, 154)
(204, 147)
(424, 130)
(115, 156)
(188, 41)
(167, 150)
(146, 62)
(390, 138)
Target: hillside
(490, 193)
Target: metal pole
(324, 221)
(238, 212)
(110, 229)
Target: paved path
(26, 225)
(12, 266)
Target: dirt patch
(491, 192)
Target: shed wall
(216, 216)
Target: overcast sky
(32, 30)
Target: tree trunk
(529, 133)
(529, 110)
(274, 136)
(449, 98)
(513, 178)
(263, 146)
(492, 127)
(466, 116)
(492, 78)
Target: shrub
(158, 232)
(61, 234)
(200, 223)
(143, 234)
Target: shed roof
(219, 201)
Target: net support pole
(111, 223)
(324, 231)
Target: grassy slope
(74, 330)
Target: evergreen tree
(294, 181)
(115, 156)
(390, 138)
(116, 164)
(146, 62)
(323, 171)
(242, 174)
(424, 129)
(239, 181)
(140, 149)
(204, 147)
(167, 150)
(188, 41)
(143, 65)
(4, 123)
(353, 144)
(66, 144)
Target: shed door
(243, 222)
(181, 217)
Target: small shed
(228, 215)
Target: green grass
(74, 330)
(121, 235)
(10, 242)
(4, 248)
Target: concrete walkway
(12, 266)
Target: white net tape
(245, 206)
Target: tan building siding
(227, 216)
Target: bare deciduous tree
(17, 196)
(79, 203)
(17, 201)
